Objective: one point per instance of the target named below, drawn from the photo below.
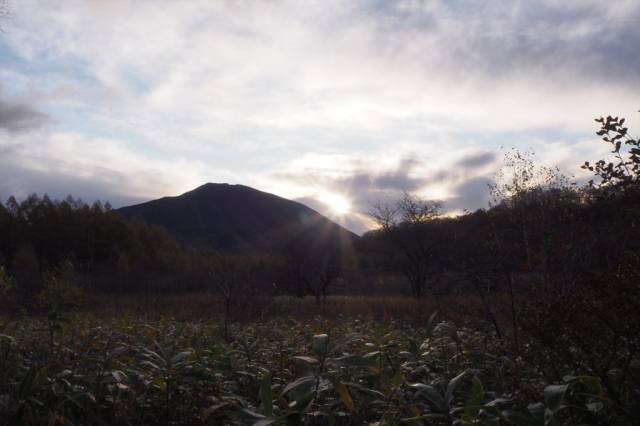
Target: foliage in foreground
(130, 371)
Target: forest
(525, 312)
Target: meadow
(120, 366)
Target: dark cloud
(559, 39)
(19, 117)
(475, 161)
(366, 187)
(581, 38)
(471, 194)
(399, 179)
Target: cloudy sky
(132, 100)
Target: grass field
(375, 366)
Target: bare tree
(405, 224)
(231, 278)
(311, 271)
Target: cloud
(400, 179)
(366, 183)
(60, 164)
(267, 74)
(18, 118)
(366, 98)
(470, 195)
(478, 160)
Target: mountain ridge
(239, 218)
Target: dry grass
(457, 307)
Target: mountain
(241, 219)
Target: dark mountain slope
(240, 219)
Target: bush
(8, 298)
(59, 295)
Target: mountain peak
(212, 186)
(238, 218)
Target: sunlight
(338, 203)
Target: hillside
(240, 219)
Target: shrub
(8, 298)
(59, 293)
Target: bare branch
(384, 214)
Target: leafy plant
(621, 172)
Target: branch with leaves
(621, 172)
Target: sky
(337, 104)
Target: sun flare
(338, 203)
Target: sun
(338, 203)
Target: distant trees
(407, 227)
(38, 235)
(311, 270)
(27, 274)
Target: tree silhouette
(407, 226)
(621, 173)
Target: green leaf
(266, 395)
(432, 395)
(521, 419)
(118, 375)
(592, 383)
(595, 407)
(452, 385)
(300, 385)
(307, 359)
(264, 422)
(354, 361)
(10, 339)
(398, 378)
(246, 413)
(206, 413)
(554, 395)
(537, 411)
(366, 390)
(150, 364)
(425, 417)
(477, 391)
(160, 383)
(180, 357)
(340, 343)
(320, 344)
